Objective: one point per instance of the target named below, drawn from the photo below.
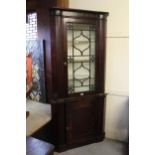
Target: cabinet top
(71, 11)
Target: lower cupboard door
(82, 121)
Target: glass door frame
(65, 47)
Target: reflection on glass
(81, 57)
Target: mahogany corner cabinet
(78, 41)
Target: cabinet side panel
(58, 125)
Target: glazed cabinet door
(81, 57)
(82, 121)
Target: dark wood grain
(81, 119)
(33, 4)
(62, 3)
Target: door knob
(81, 94)
(65, 63)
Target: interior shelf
(80, 42)
(81, 59)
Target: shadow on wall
(117, 117)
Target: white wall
(117, 116)
(116, 123)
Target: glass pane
(81, 57)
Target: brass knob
(81, 94)
(65, 63)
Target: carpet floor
(106, 147)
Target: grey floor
(106, 147)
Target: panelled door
(81, 120)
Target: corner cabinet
(77, 71)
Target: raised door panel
(82, 120)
